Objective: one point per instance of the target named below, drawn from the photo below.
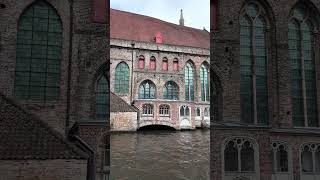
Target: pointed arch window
(253, 66)
(310, 158)
(303, 73)
(280, 157)
(189, 82)
(122, 78)
(39, 53)
(147, 90)
(171, 91)
(102, 97)
(184, 111)
(204, 83)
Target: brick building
(161, 69)
(265, 75)
(54, 78)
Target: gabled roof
(24, 136)
(130, 26)
(119, 105)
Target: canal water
(160, 155)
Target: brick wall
(123, 121)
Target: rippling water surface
(160, 155)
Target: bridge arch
(145, 123)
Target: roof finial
(181, 21)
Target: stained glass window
(171, 91)
(102, 98)
(204, 83)
(301, 55)
(253, 67)
(189, 86)
(122, 78)
(39, 53)
(147, 90)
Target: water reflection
(160, 155)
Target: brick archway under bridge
(144, 123)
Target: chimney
(181, 21)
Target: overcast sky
(196, 12)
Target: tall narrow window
(204, 83)
(303, 74)
(102, 98)
(189, 86)
(39, 53)
(147, 90)
(153, 63)
(122, 78)
(280, 157)
(175, 64)
(171, 91)
(253, 66)
(184, 111)
(165, 64)
(141, 62)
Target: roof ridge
(45, 125)
(146, 16)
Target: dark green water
(160, 155)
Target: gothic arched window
(39, 53)
(184, 111)
(189, 84)
(102, 97)
(171, 91)
(303, 74)
(253, 66)
(147, 90)
(204, 83)
(280, 157)
(122, 78)
(239, 155)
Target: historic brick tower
(266, 72)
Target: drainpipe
(69, 69)
(131, 89)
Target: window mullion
(304, 93)
(239, 159)
(254, 86)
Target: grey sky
(196, 12)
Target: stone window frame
(204, 84)
(262, 12)
(206, 112)
(313, 147)
(165, 90)
(198, 112)
(276, 146)
(107, 95)
(122, 83)
(162, 109)
(149, 109)
(175, 60)
(152, 92)
(189, 81)
(242, 140)
(165, 60)
(185, 110)
(55, 73)
(140, 59)
(153, 59)
(309, 18)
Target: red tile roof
(130, 26)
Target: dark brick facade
(225, 72)
(85, 55)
